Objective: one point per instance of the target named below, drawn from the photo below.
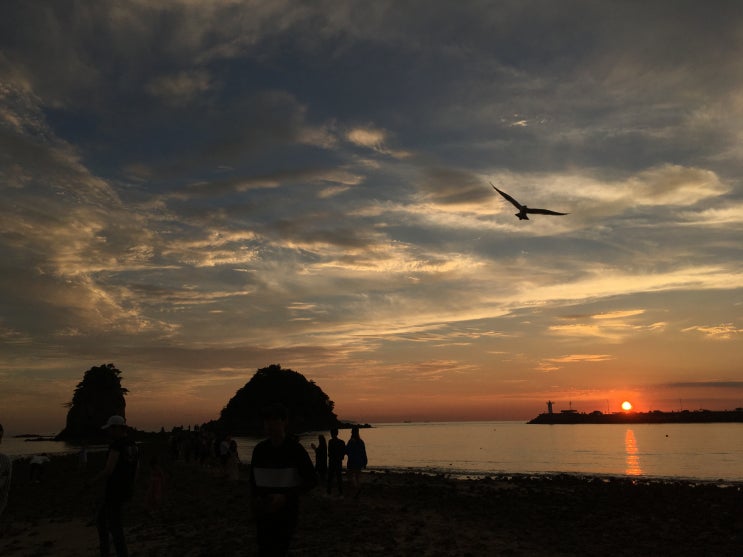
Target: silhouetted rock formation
(97, 397)
(309, 407)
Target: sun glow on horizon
(626, 406)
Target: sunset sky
(196, 191)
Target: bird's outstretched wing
(508, 197)
(523, 209)
(544, 212)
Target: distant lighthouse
(549, 407)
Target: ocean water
(682, 451)
(19, 448)
(697, 451)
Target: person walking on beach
(356, 451)
(280, 471)
(36, 467)
(119, 473)
(336, 454)
(6, 471)
(321, 457)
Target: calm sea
(689, 451)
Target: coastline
(640, 479)
(654, 417)
(399, 512)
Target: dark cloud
(596, 89)
(452, 186)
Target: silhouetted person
(356, 451)
(224, 453)
(336, 454)
(82, 458)
(120, 471)
(36, 467)
(280, 471)
(6, 472)
(233, 462)
(321, 457)
(154, 498)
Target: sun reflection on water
(633, 460)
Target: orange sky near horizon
(150, 411)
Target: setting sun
(626, 405)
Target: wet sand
(402, 514)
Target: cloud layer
(199, 189)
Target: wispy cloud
(554, 364)
(375, 139)
(723, 331)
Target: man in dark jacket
(120, 471)
(280, 470)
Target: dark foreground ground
(396, 514)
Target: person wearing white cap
(120, 472)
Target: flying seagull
(523, 209)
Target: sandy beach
(400, 513)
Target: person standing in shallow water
(6, 471)
(336, 454)
(356, 451)
(321, 457)
(119, 473)
(280, 470)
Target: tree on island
(310, 409)
(96, 398)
